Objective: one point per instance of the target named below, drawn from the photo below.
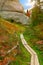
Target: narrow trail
(34, 57)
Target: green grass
(24, 57)
(31, 39)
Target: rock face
(16, 16)
(11, 5)
(12, 9)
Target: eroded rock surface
(11, 5)
(12, 9)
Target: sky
(27, 4)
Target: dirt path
(34, 58)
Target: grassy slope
(24, 56)
(7, 41)
(10, 27)
(32, 39)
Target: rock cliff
(11, 5)
(12, 9)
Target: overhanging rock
(16, 16)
